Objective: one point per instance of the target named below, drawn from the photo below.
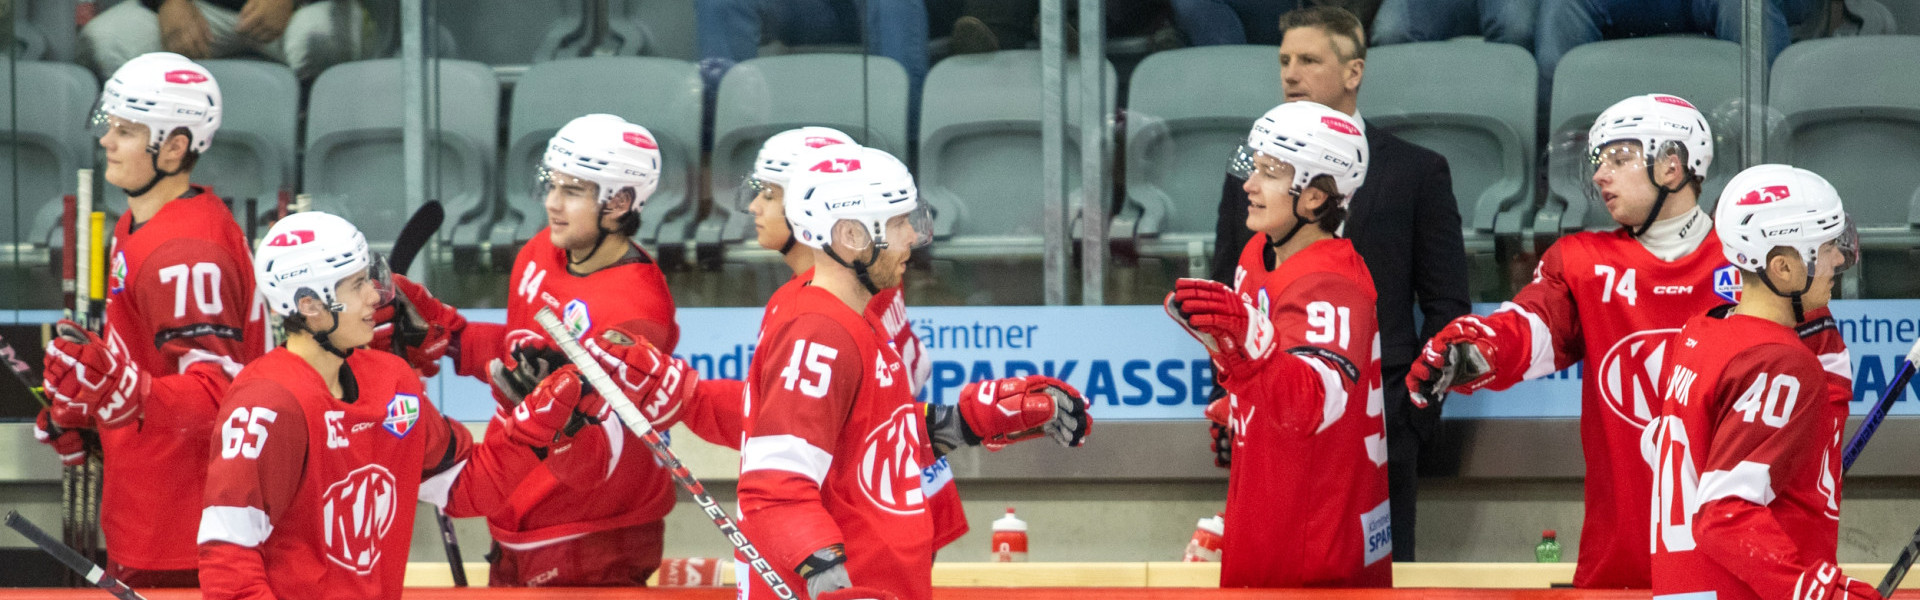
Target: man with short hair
(1404, 222)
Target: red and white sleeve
(1324, 335)
(259, 447)
(1538, 332)
(803, 399)
(197, 298)
(467, 479)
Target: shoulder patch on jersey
(576, 319)
(1726, 283)
(402, 412)
(117, 276)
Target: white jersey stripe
(244, 526)
(1540, 364)
(1336, 402)
(1750, 481)
(785, 453)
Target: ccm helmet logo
(641, 140)
(837, 165)
(1766, 195)
(292, 238)
(1672, 290)
(1781, 231)
(1340, 125)
(185, 76)
(820, 142)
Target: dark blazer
(1406, 225)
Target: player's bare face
(359, 296)
(573, 212)
(891, 267)
(1311, 67)
(1620, 177)
(125, 146)
(770, 217)
(1825, 269)
(1269, 196)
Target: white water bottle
(1009, 539)
(1205, 545)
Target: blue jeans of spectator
(1565, 24)
(730, 30)
(1504, 21)
(1217, 22)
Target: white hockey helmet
(1656, 121)
(163, 91)
(851, 192)
(1775, 206)
(1315, 140)
(308, 254)
(774, 163)
(608, 151)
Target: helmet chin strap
(788, 246)
(1298, 222)
(321, 337)
(1799, 312)
(1659, 201)
(153, 156)
(598, 239)
(859, 268)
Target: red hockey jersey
(310, 496)
(1308, 507)
(627, 488)
(834, 452)
(180, 305)
(1747, 492)
(1602, 298)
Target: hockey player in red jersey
(1612, 299)
(1297, 347)
(1747, 449)
(322, 451)
(598, 171)
(830, 474)
(180, 321)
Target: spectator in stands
(1217, 22)
(990, 25)
(308, 36)
(1403, 221)
(1504, 21)
(730, 31)
(1564, 24)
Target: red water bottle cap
(1548, 534)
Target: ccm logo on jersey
(889, 471)
(1671, 290)
(356, 514)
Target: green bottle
(1549, 549)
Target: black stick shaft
(67, 556)
(1899, 570)
(452, 546)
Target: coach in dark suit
(1403, 221)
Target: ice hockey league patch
(1726, 283)
(402, 412)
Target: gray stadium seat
(1473, 102)
(661, 94)
(50, 23)
(51, 141)
(1851, 109)
(353, 165)
(980, 155)
(252, 154)
(1179, 141)
(663, 28)
(512, 32)
(1594, 76)
(765, 96)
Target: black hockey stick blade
(1900, 566)
(415, 234)
(67, 556)
(1875, 417)
(452, 546)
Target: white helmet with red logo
(1656, 121)
(1315, 140)
(163, 91)
(306, 255)
(846, 189)
(608, 151)
(775, 162)
(1776, 206)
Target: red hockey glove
(1219, 422)
(1003, 411)
(1825, 582)
(528, 361)
(67, 442)
(91, 381)
(1237, 335)
(657, 383)
(423, 326)
(1455, 360)
(558, 408)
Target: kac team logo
(1631, 373)
(402, 412)
(889, 470)
(356, 513)
(117, 276)
(1726, 283)
(576, 319)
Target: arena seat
(1865, 140)
(48, 143)
(656, 28)
(1594, 76)
(1179, 142)
(555, 92)
(353, 164)
(544, 27)
(253, 153)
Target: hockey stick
(452, 546)
(1900, 566)
(415, 234)
(72, 559)
(1879, 413)
(638, 424)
